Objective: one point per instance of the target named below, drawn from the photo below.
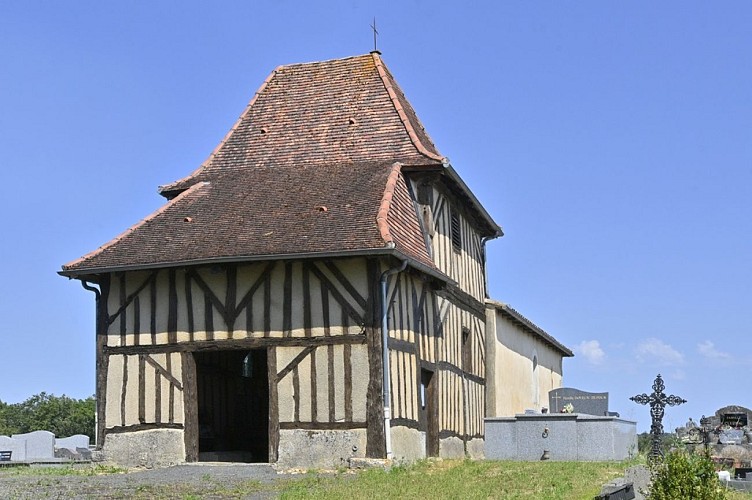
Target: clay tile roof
(339, 111)
(313, 166)
(272, 213)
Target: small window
(425, 194)
(456, 232)
(467, 353)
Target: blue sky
(611, 140)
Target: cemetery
(578, 427)
(42, 447)
(728, 438)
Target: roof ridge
(135, 226)
(386, 203)
(401, 112)
(237, 123)
(325, 61)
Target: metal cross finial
(657, 401)
(375, 34)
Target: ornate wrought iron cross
(657, 401)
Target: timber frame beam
(250, 343)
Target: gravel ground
(182, 481)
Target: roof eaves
(401, 112)
(66, 267)
(529, 326)
(497, 231)
(85, 273)
(167, 189)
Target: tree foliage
(60, 415)
(669, 441)
(681, 475)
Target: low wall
(565, 436)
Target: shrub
(681, 475)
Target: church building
(313, 292)
(524, 362)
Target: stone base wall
(451, 447)
(476, 449)
(324, 449)
(408, 445)
(150, 448)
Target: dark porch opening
(233, 405)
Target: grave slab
(16, 446)
(590, 403)
(40, 445)
(73, 442)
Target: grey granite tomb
(17, 447)
(73, 442)
(560, 436)
(590, 403)
(40, 445)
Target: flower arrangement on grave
(568, 408)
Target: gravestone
(84, 453)
(731, 436)
(40, 445)
(73, 442)
(17, 447)
(590, 403)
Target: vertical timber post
(190, 406)
(375, 437)
(271, 362)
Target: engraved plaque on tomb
(591, 403)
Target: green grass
(62, 470)
(465, 479)
(431, 479)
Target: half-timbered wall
(310, 316)
(155, 376)
(430, 332)
(450, 338)
(465, 264)
(314, 317)
(277, 299)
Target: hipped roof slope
(313, 167)
(340, 111)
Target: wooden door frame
(190, 405)
(431, 412)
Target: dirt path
(182, 481)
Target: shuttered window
(456, 232)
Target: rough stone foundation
(324, 449)
(151, 448)
(476, 449)
(451, 447)
(408, 444)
